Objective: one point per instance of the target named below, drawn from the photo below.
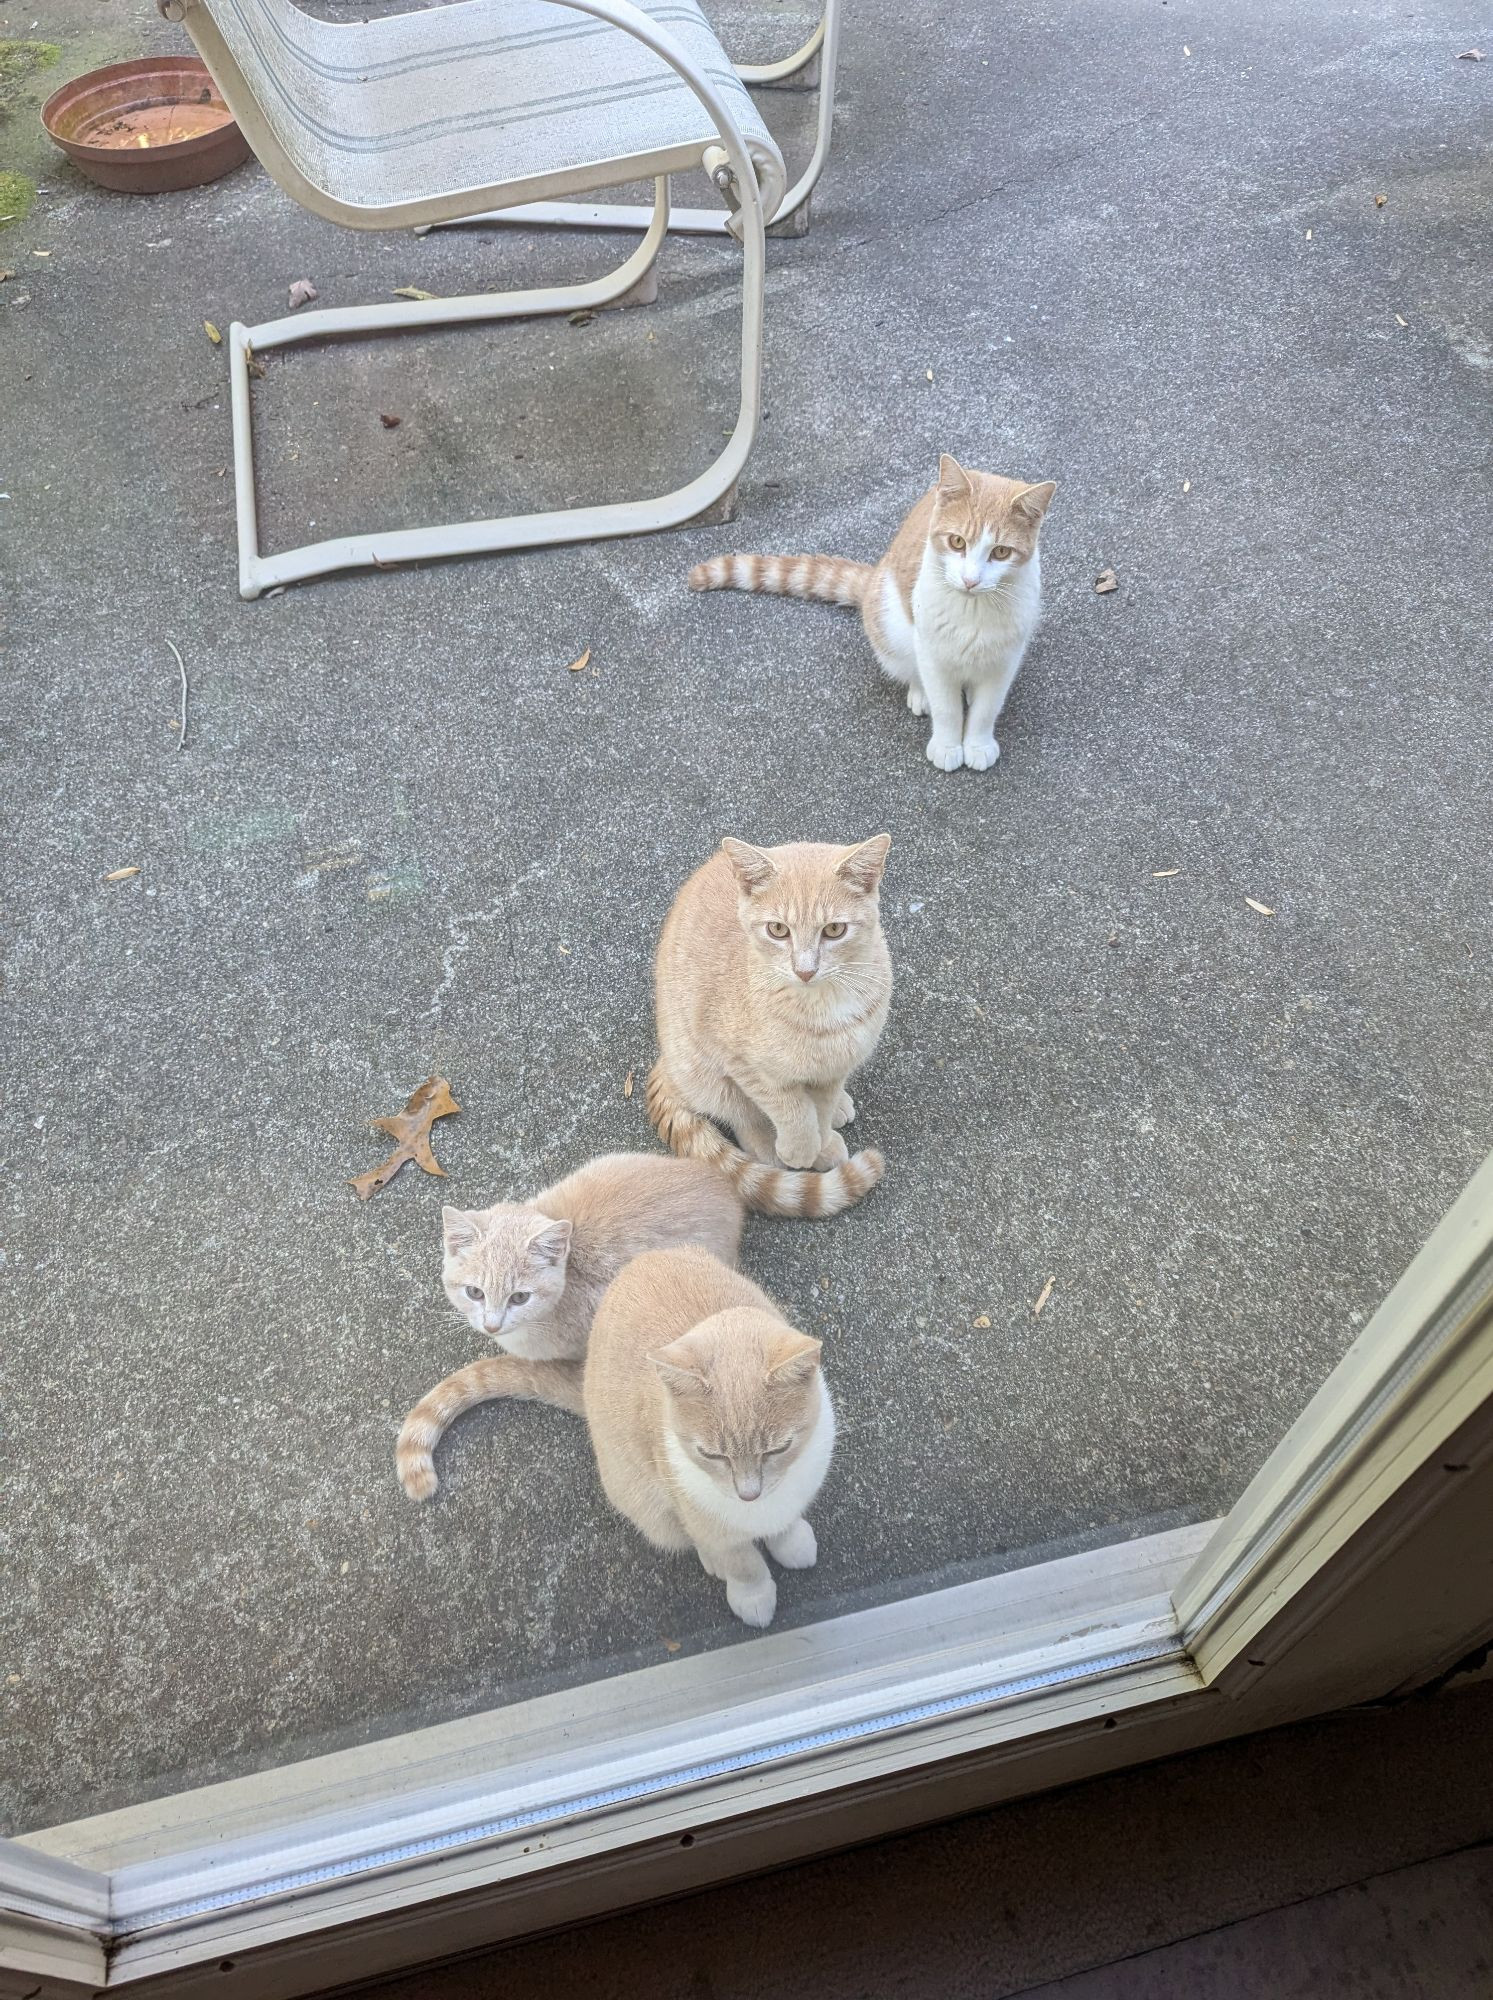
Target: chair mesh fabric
(473, 96)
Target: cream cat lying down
(529, 1275)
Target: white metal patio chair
(430, 117)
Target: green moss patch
(19, 61)
(16, 197)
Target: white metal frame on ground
(1356, 1565)
(792, 215)
(752, 204)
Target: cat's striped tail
(831, 579)
(765, 1190)
(557, 1382)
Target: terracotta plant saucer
(147, 126)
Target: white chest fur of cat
(949, 610)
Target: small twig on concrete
(181, 741)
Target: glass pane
(1189, 1045)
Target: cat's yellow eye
(834, 930)
(957, 542)
(1000, 553)
(776, 930)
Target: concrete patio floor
(402, 838)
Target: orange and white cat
(708, 1415)
(950, 609)
(772, 985)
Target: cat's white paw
(917, 701)
(753, 1603)
(980, 752)
(833, 1153)
(798, 1150)
(795, 1548)
(844, 1113)
(945, 756)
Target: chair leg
(719, 512)
(709, 489)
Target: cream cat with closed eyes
(950, 609)
(708, 1415)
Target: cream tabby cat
(710, 1420)
(529, 1275)
(773, 981)
(708, 1416)
(950, 609)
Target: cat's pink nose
(805, 976)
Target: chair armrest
(759, 174)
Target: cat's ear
(461, 1229)
(953, 480)
(679, 1370)
(550, 1243)
(862, 867)
(792, 1358)
(754, 868)
(1034, 501)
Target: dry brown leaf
(1042, 1297)
(1105, 582)
(1263, 908)
(121, 874)
(256, 368)
(981, 1319)
(579, 666)
(4, 275)
(582, 318)
(212, 333)
(410, 1129)
(1160, 874)
(671, 1645)
(627, 1084)
(302, 292)
(411, 292)
(1380, 199)
(390, 423)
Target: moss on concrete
(20, 61)
(16, 197)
